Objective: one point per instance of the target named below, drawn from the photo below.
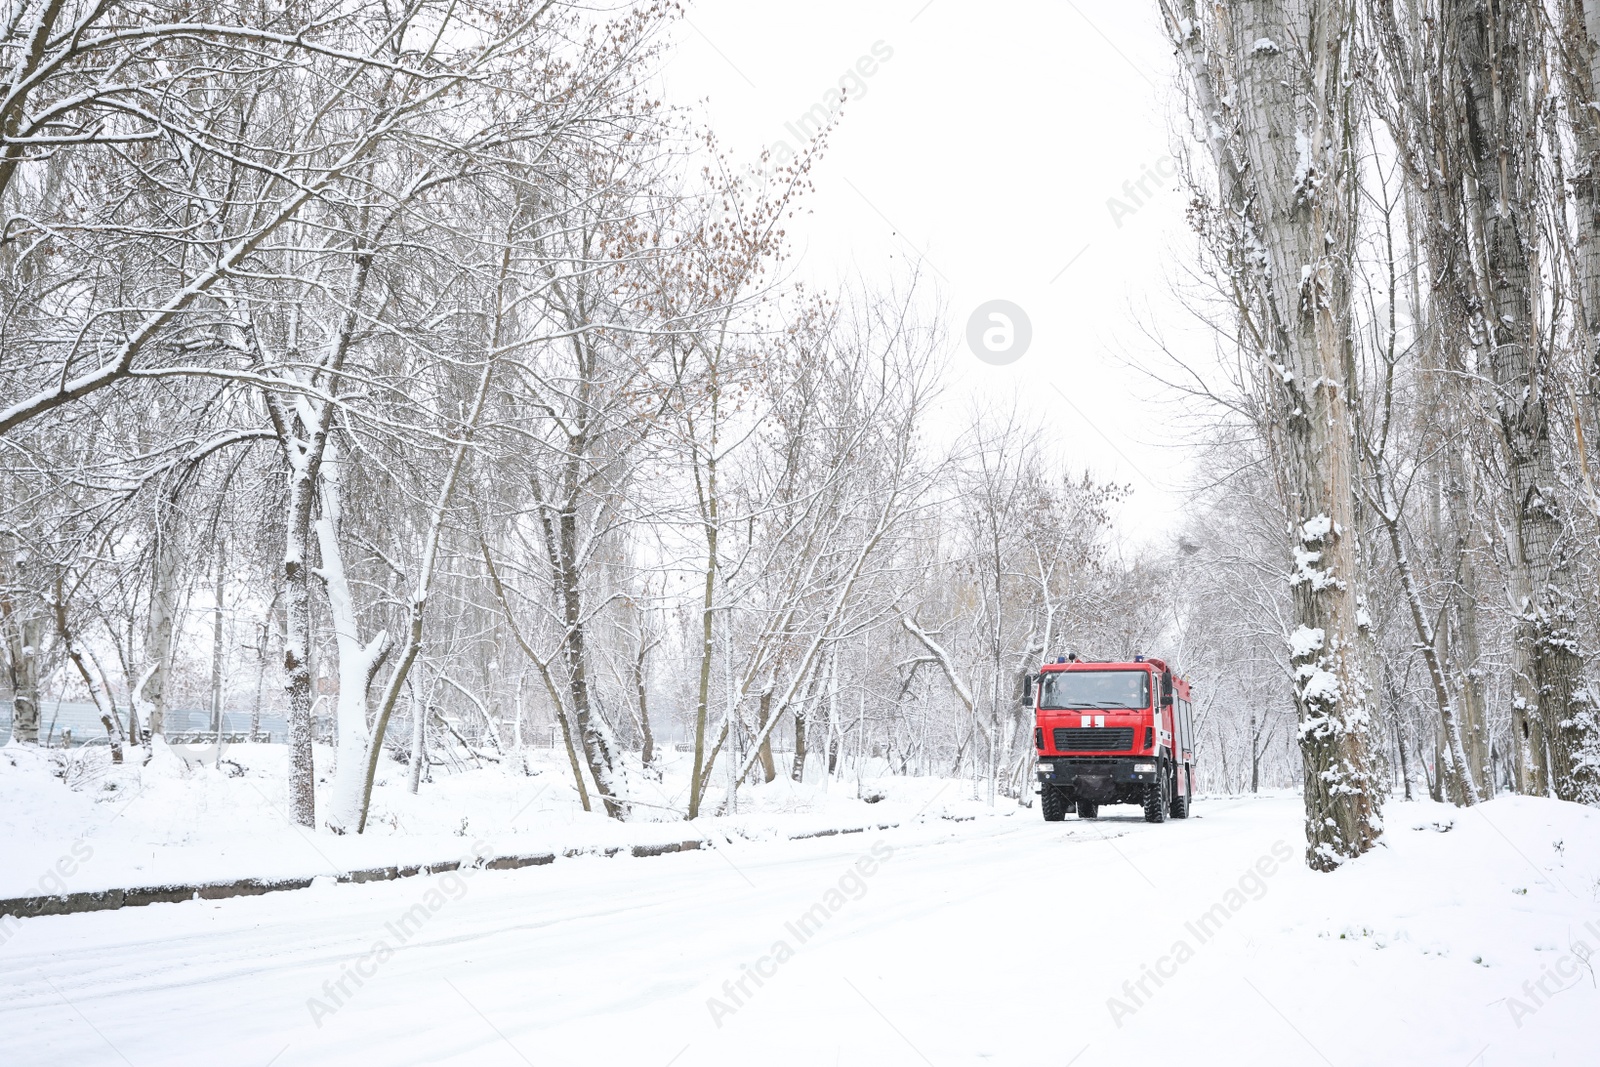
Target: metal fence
(70, 724)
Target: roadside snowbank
(73, 822)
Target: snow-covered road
(1003, 940)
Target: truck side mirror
(1166, 690)
(1027, 690)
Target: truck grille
(1093, 738)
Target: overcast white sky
(989, 144)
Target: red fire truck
(1112, 733)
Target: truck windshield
(1094, 689)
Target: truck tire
(1158, 798)
(1180, 805)
(1052, 804)
(1088, 809)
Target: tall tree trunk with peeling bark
(1271, 81)
(1418, 91)
(1465, 647)
(1579, 62)
(1498, 54)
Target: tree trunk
(1255, 756)
(419, 737)
(834, 730)
(81, 659)
(1405, 766)
(647, 751)
(558, 706)
(593, 735)
(297, 649)
(1467, 654)
(802, 721)
(561, 538)
(769, 770)
(359, 660)
(216, 652)
(302, 443)
(23, 630)
(1288, 178)
(572, 759)
(707, 617)
(261, 674)
(158, 628)
(798, 769)
(1498, 52)
(1580, 64)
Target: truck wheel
(1088, 809)
(1053, 806)
(1180, 805)
(1157, 798)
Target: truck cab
(1112, 733)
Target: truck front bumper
(1099, 779)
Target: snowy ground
(104, 827)
(999, 940)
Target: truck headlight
(1046, 768)
(1144, 768)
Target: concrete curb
(113, 899)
